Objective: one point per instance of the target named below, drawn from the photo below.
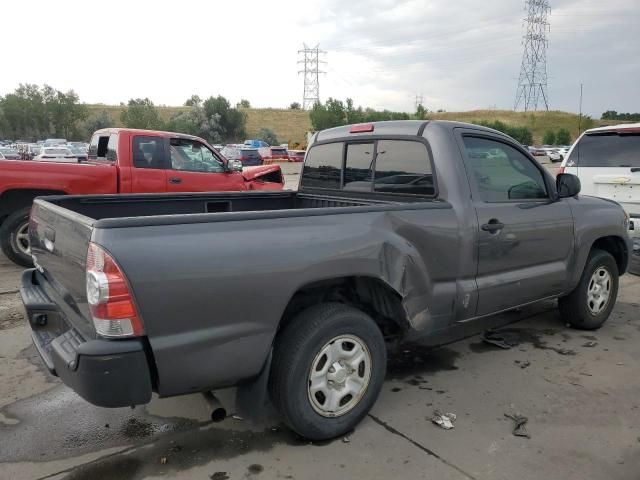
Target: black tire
(574, 308)
(295, 350)
(8, 237)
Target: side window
(93, 148)
(501, 172)
(112, 148)
(403, 166)
(98, 147)
(358, 169)
(323, 166)
(192, 156)
(148, 152)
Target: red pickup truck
(121, 161)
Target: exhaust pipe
(218, 412)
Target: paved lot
(579, 390)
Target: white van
(607, 161)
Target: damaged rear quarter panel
(219, 315)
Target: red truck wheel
(14, 237)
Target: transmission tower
(311, 64)
(532, 83)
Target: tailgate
(624, 188)
(59, 242)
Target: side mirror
(567, 185)
(234, 165)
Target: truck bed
(147, 209)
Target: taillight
(243, 158)
(561, 170)
(109, 296)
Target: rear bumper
(106, 373)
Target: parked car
(79, 152)
(10, 154)
(174, 297)
(246, 155)
(537, 152)
(32, 151)
(56, 154)
(53, 142)
(553, 154)
(121, 161)
(255, 143)
(273, 154)
(607, 162)
(296, 155)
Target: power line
(532, 83)
(311, 61)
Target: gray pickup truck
(406, 230)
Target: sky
(457, 54)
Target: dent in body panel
(399, 271)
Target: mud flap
(252, 396)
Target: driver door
(524, 240)
(195, 168)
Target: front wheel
(591, 302)
(14, 237)
(328, 368)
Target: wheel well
(12, 200)
(616, 247)
(371, 295)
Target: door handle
(635, 169)
(175, 180)
(493, 226)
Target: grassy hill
(291, 125)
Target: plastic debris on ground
(444, 420)
(520, 429)
(504, 340)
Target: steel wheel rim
(599, 291)
(339, 376)
(22, 239)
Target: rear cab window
(607, 149)
(104, 147)
(391, 166)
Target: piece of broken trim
(519, 430)
(443, 420)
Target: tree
(267, 135)
(549, 138)
(196, 122)
(563, 137)
(353, 115)
(141, 113)
(331, 114)
(295, 106)
(33, 112)
(521, 134)
(421, 112)
(193, 101)
(232, 121)
(102, 120)
(243, 104)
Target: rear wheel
(14, 237)
(328, 368)
(590, 304)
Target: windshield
(609, 149)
